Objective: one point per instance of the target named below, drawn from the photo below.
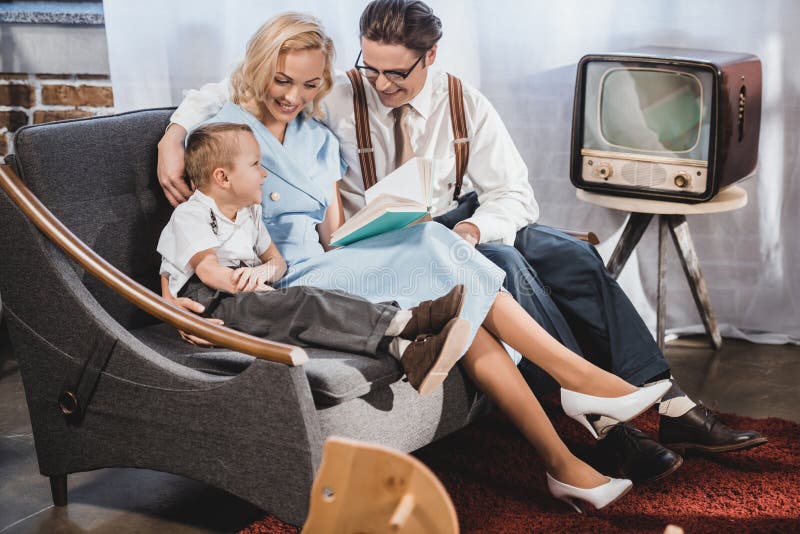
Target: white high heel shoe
(599, 497)
(577, 405)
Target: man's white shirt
(495, 170)
(192, 229)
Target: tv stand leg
(634, 229)
(679, 228)
(661, 290)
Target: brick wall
(36, 98)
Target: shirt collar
(241, 215)
(422, 102)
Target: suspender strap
(366, 154)
(459, 122)
(364, 140)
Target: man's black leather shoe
(637, 456)
(699, 429)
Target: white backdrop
(523, 56)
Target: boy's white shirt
(496, 170)
(190, 231)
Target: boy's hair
(210, 147)
(410, 23)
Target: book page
(411, 180)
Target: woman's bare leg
(492, 370)
(508, 321)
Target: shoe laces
(710, 417)
(629, 434)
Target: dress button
(275, 196)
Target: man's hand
(469, 232)
(170, 165)
(253, 278)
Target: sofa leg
(58, 487)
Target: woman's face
(298, 79)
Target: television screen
(659, 111)
(651, 110)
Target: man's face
(382, 56)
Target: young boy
(216, 250)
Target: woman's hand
(170, 165)
(334, 218)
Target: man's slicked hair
(408, 23)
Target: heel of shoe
(621, 408)
(582, 419)
(572, 502)
(454, 346)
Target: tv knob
(605, 170)
(683, 180)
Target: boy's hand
(194, 307)
(253, 278)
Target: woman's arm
(334, 218)
(196, 106)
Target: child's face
(247, 174)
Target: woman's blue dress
(417, 263)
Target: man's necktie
(402, 142)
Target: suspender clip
(366, 150)
(461, 140)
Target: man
(409, 114)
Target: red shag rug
(497, 484)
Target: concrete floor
(746, 379)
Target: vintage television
(665, 123)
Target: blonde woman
(277, 92)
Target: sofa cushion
(334, 377)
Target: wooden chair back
(367, 488)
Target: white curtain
(523, 56)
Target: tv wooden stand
(672, 218)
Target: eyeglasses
(391, 75)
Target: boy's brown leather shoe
(430, 357)
(431, 315)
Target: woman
(277, 91)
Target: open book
(400, 199)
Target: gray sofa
(144, 398)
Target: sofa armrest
(134, 292)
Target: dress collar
(281, 159)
